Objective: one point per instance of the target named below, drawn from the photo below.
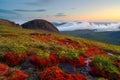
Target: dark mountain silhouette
(39, 24)
(9, 23)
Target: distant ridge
(40, 24)
(9, 23)
(111, 37)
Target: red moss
(3, 69)
(117, 63)
(53, 59)
(93, 50)
(55, 73)
(63, 60)
(12, 59)
(67, 42)
(78, 63)
(15, 75)
(78, 77)
(40, 62)
(99, 72)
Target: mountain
(39, 24)
(111, 37)
(41, 55)
(9, 23)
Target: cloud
(22, 10)
(70, 26)
(60, 15)
(40, 2)
(73, 8)
(9, 14)
(4, 11)
(31, 3)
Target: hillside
(9, 23)
(41, 55)
(111, 37)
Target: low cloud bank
(98, 27)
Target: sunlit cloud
(99, 27)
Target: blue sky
(66, 10)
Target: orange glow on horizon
(92, 18)
(110, 14)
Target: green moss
(105, 62)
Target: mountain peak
(40, 24)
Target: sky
(60, 10)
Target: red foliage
(67, 42)
(103, 73)
(95, 71)
(63, 60)
(55, 73)
(15, 75)
(93, 50)
(78, 63)
(117, 63)
(45, 38)
(30, 53)
(78, 77)
(39, 62)
(13, 59)
(99, 72)
(117, 76)
(53, 59)
(3, 69)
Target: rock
(66, 67)
(30, 69)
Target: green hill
(42, 55)
(110, 37)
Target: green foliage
(104, 46)
(105, 62)
(42, 54)
(68, 54)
